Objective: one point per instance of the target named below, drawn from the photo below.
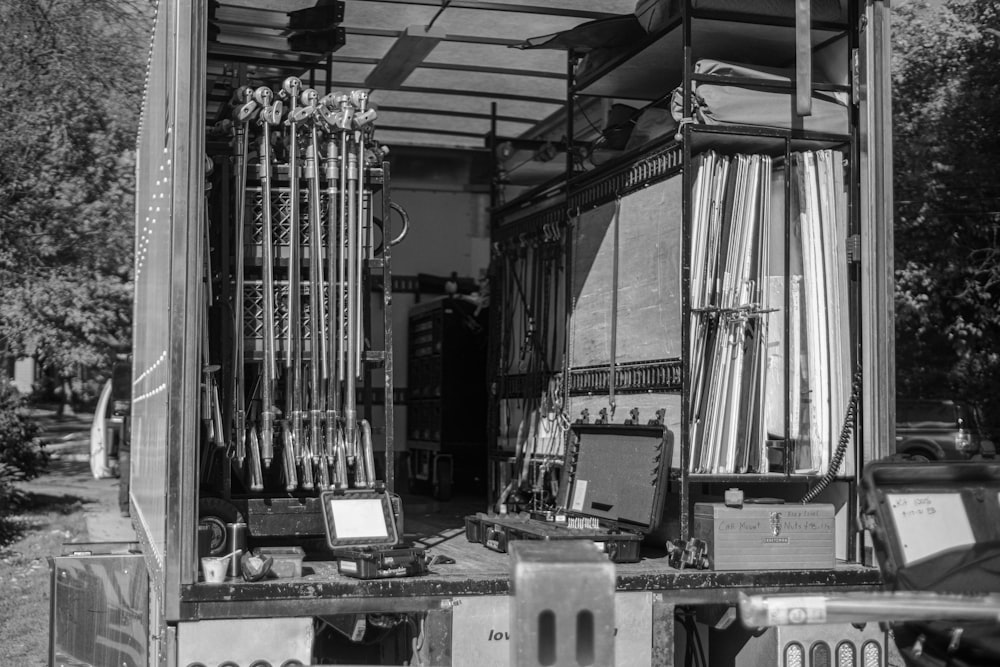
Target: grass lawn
(28, 536)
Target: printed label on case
(796, 610)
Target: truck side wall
(166, 316)
(877, 302)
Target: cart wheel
(442, 478)
(216, 513)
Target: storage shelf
(638, 168)
(775, 85)
(649, 71)
(758, 139)
(654, 66)
(751, 478)
(662, 157)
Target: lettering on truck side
(504, 635)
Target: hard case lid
(618, 472)
(935, 526)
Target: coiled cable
(845, 439)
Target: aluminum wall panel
(154, 216)
(99, 606)
(166, 317)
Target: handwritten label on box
(929, 523)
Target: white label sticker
(929, 523)
(796, 610)
(579, 495)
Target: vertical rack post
(494, 354)
(684, 520)
(786, 446)
(570, 129)
(567, 241)
(390, 478)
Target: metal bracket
(854, 248)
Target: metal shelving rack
(665, 57)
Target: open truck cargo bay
(606, 239)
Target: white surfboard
(100, 463)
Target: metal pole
(270, 115)
(293, 436)
(246, 110)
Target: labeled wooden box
(766, 536)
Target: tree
(946, 108)
(21, 459)
(71, 77)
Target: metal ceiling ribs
(445, 101)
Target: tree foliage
(21, 458)
(71, 76)
(946, 113)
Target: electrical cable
(524, 300)
(694, 651)
(845, 440)
(444, 6)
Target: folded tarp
(716, 103)
(614, 32)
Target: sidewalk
(67, 439)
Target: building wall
(446, 198)
(23, 375)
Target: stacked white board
(762, 313)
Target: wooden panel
(647, 301)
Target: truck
(284, 149)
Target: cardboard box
(767, 536)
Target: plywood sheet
(641, 291)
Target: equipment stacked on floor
(314, 420)
(741, 301)
(309, 184)
(935, 532)
(614, 486)
(361, 531)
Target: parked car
(939, 430)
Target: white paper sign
(358, 517)
(929, 523)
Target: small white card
(579, 495)
(929, 523)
